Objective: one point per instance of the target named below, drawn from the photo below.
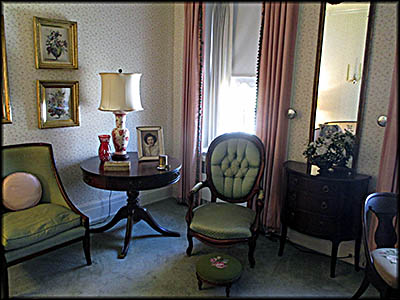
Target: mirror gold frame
(364, 77)
(5, 93)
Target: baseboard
(346, 248)
(104, 209)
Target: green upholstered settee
(234, 169)
(53, 223)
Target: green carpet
(157, 266)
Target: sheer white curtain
(218, 65)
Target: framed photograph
(58, 103)
(5, 95)
(150, 142)
(56, 44)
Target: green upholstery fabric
(58, 239)
(234, 167)
(230, 273)
(37, 161)
(29, 226)
(223, 220)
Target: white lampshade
(120, 92)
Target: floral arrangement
(219, 262)
(54, 45)
(57, 104)
(332, 150)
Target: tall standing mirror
(341, 69)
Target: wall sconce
(354, 79)
(120, 94)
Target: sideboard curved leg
(335, 246)
(357, 248)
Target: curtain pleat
(388, 178)
(275, 70)
(192, 98)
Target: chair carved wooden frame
(254, 197)
(57, 196)
(379, 227)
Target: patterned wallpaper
(137, 37)
(382, 52)
(303, 80)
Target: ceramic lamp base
(120, 137)
(119, 157)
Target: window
(231, 44)
(239, 106)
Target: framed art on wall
(150, 142)
(56, 44)
(58, 103)
(5, 93)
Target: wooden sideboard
(323, 207)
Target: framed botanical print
(150, 142)
(5, 93)
(56, 44)
(58, 103)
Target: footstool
(218, 269)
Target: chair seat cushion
(25, 227)
(223, 220)
(385, 263)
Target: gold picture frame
(150, 142)
(56, 43)
(6, 117)
(57, 103)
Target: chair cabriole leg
(252, 247)
(190, 246)
(86, 248)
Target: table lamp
(120, 93)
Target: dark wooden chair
(53, 223)
(234, 168)
(380, 216)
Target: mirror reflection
(341, 67)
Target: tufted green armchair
(53, 223)
(234, 168)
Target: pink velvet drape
(276, 60)
(192, 98)
(388, 178)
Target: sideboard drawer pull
(325, 188)
(324, 205)
(295, 180)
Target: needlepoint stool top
(219, 268)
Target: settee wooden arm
(196, 188)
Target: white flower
(321, 150)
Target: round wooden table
(143, 175)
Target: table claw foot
(145, 216)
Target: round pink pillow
(21, 190)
